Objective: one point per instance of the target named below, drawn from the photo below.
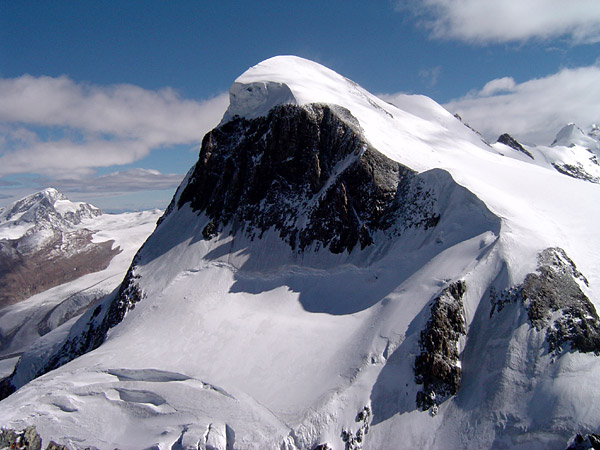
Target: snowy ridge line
(573, 153)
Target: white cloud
(486, 21)
(535, 110)
(506, 84)
(431, 76)
(96, 126)
(120, 182)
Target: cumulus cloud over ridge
(92, 126)
(488, 21)
(533, 111)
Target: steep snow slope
(287, 300)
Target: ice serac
(338, 273)
(256, 99)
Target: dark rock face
(322, 447)
(590, 441)
(27, 439)
(436, 367)
(507, 139)
(555, 303)
(554, 289)
(308, 173)
(354, 440)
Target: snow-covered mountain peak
(46, 208)
(52, 194)
(571, 135)
(335, 266)
(286, 80)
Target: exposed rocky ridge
(576, 171)
(556, 303)
(436, 367)
(508, 140)
(589, 441)
(308, 173)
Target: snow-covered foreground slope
(339, 273)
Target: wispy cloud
(132, 180)
(92, 126)
(431, 75)
(533, 111)
(489, 21)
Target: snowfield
(242, 342)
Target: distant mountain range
(57, 259)
(573, 152)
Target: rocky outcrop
(27, 439)
(436, 367)
(508, 140)
(308, 173)
(556, 304)
(576, 171)
(353, 440)
(555, 301)
(589, 441)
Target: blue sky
(108, 101)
